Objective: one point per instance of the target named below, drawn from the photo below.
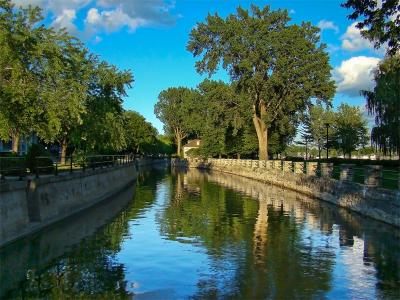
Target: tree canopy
(384, 103)
(253, 46)
(174, 108)
(380, 23)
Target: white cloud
(111, 20)
(106, 15)
(355, 74)
(66, 20)
(324, 25)
(353, 41)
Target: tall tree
(350, 129)
(140, 135)
(384, 103)
(316, 119)
(20, 67)
(381, 23)
(102, 128)
(64, 87)
(253, 48)
(174, 108)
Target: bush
(12, 166)
(39, 158)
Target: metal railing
(20, 167)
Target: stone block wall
(368, 200)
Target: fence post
(298, 167)
(346, 172)
(36, 168)
(373, 175)
(288, 166)
(311, 168)
(1, 172)
(326, 169)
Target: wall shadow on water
(74, 258)
(265, 249)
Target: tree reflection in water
(259, 242)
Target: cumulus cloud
(106, 15)
(326, 25)
(353, 41)
(111, 20)
(355, 74)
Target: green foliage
(381, 23)
(350, 129)
(38, 158)
(140, 135)
(174, 108)
(253, 47)
(50, 84)
(384, 103)
(315, 124)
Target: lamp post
(327, 140)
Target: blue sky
(149, 37)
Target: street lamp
(327, 140)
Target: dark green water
(196, 235)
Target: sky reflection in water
(206, 235)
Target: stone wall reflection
(380, 243)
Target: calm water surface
(179, 235)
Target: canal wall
(28, 206)
(377, 203)
(20, 258)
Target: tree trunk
(319, 152)
(63, 150)
(238, 156)
(15, 142)
(262, 135)
(178, 142)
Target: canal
(191, 234)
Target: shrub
(38, 159)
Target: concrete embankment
(377, 203)
(30, 205)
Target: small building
(192, 144)
(24, 144)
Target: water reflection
(206, 235)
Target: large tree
(65, 83)
(174, 108)
(350, 129)
(281, 67)
(20, 68)
(140, 135)
(384, 103)
(380, 23)
(102, 128)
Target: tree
(350, 129)
(253, 48)
(140, 135)
(20, 66)
(384, 103)
(316, 119)
(102, 128)
(64, 87)
(220, 116)
(174, 108)
(381, 23)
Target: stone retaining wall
(378, 203)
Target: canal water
(197, 235)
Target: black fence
(20, 167)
